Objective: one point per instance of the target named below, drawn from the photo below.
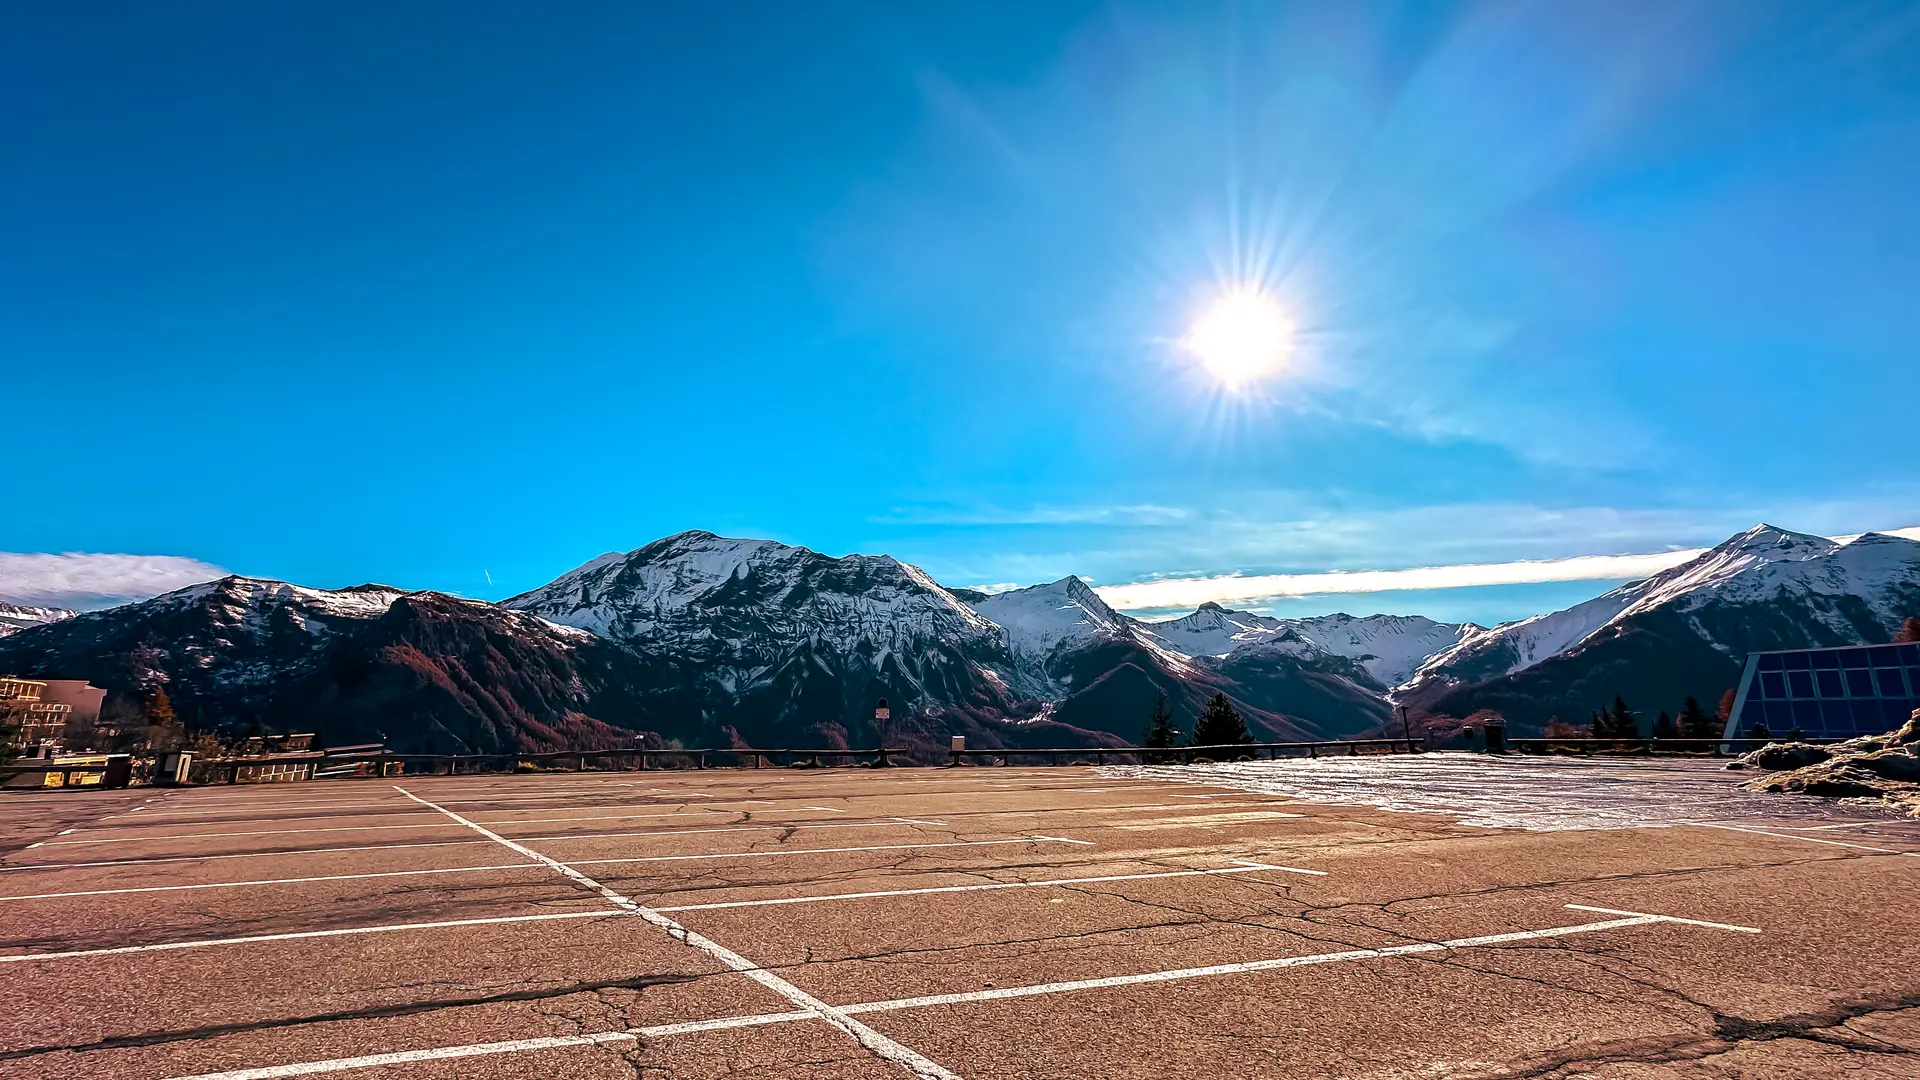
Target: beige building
(85, 698)
(30, 720)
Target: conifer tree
(1624, 721)
(1695, 723)
(1160, 730)
(1599, 725)
(1221, 724)
(1664, 727)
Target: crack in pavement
(375, 1012)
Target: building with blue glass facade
(1827, 693)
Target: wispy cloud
(1239, 588)
(85, 580)
(1234, 588)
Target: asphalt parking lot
(972, 922)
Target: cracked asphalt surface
(1063, 922)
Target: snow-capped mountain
(15, 618)
(705, 639)
(768, 639)
(1683, 631)
(421, 670)
(1045, 623)
(1390, 647)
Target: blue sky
(460, 296)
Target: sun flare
(1244, 337)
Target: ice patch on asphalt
(1541, 794)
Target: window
(1800, 684)
(1806, 716)
(1860, 682)
(1773, 684)
(1890, 682)
(1825, 659)
(1770, 662)
(1829, 683)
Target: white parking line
(350, 931)
(443, 1053)
(523, 866)
(876, 1043)
(563, 836)
(267, 881)
(1794, 836)
(1243, 868)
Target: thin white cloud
(1237, 588)
(86, 580)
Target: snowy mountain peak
(14, 618)
(1039, 618)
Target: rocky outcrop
(1885, 768)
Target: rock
(1892, 765)
(1881, 767)
(1793, 755)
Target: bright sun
(1242, 338)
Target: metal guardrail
(621, 759)
(1713, 747)
(1186, 754)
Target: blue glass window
(1910, 655)
(1800, 684)
(1890, 683)
(1860, 682)
(1797, 660)
(1773, 684)
(1770, 662)
(1825, 659)
(1806, 715)
(1829, 683)
(1853, 657)
(1885, 655)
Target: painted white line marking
(310, 1068)
(828, 809)
(475, 843)
(405, 1057)
(825, 851)
(64, 832)
(268, 881)
(876, 1043)
(562, 836)
(1793, 836)
(1668, 918)
(385, 928)
(257, 832)
(1244, 868)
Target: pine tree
(1221, 724)
(1599, 725)
(1909, 630)
(1624, 721)
(1664, 727)
(1694, 722)
(1160, 731)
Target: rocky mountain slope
(1681, 632)
(717, 641)
(14, 618)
